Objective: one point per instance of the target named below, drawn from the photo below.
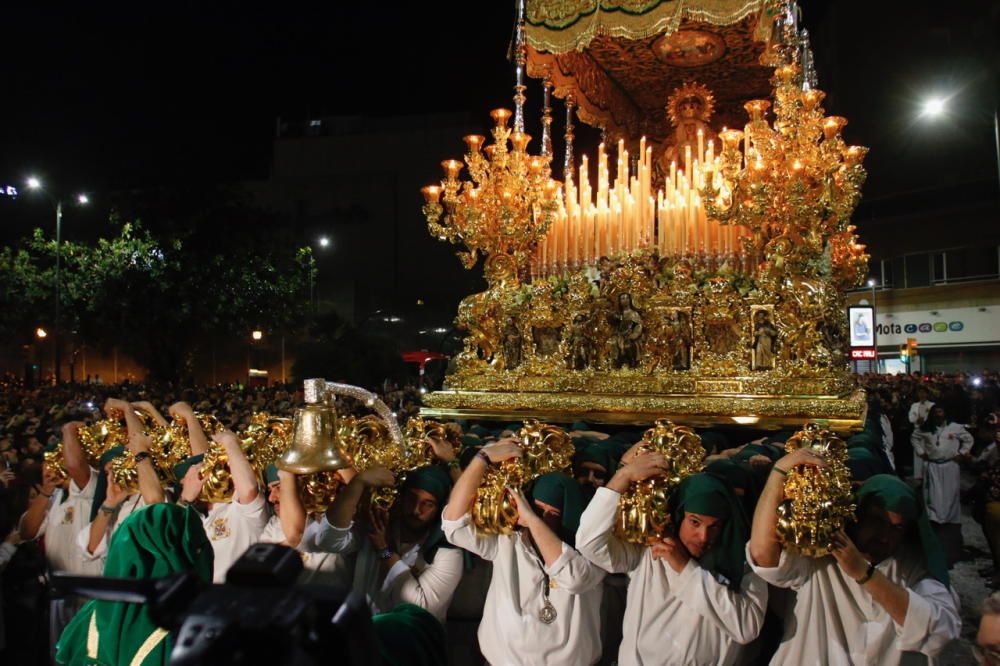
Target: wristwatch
(385, 553)
(142, 455)
(485, 457)
(868, 574)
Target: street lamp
(40, 333)
(324, 241)
(36, 185)
(936, 106)
(872, 282)
(257, 335)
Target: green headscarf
(101, 488)
(564, 493)
(580, 425)
(893, 494)
(599, 453)
(480, 431)
(708, 495)
(435, 480)
(270, 474)
(408, 635)
(156, 541)
(181, 470)
(738, 475)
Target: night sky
(107, 96)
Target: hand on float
(672, 551)
(525, 514)
(191, 484)
(443, 449)
(376, 477)
(180, 410)
(503, 449)
(378, 524)
(850, 559)
(799, 457)
(115, 408)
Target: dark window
(939, 272)
(918, 270)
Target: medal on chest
(548, 613)
(68, 516)
(220, 529)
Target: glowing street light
(40, 333)
(324, 241)
(36, 185)
(257, 335)
(934, 106)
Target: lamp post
(324, 243)
(82, 200)
(873, 283)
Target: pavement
(972, 589)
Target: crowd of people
(717, 586)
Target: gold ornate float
(701, 279)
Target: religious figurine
(765, 341)
(627, 323)
(681, 324)
(580, 343)
(689, 110)
(512, 344)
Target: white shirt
(510, 633)
(232, 528)
(61, 525)
(319, 567)
(131, 504)
(410, 580)
(887, 439)
(835, 621)
(687, 618)
(920, 410)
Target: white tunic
(835, 621)
(688, 618)
(61, 525)
(319, 567)
(232, 528)
(510, 633)
(410, 580)
(942, 476)
(919, 411)
(131, 504)
(887, 440)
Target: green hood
(408, 635)
(564, 493)
(893, 494)
(708, 495)
(153, 542)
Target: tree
(159, 296)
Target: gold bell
(315, 446)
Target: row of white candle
(626, 215)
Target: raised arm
(31, 521)
(292, 514)
(76, 461)
(345, 505)
(595, 539)
(244, 478)
(463, 493)
(765, 548)
(147, 408)
(149, 480)
(549, 544)
(197, 437)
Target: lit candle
(451, 168)
(701, 145)
(432, 193)
(500, 117)
(474, 142)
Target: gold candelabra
(794, 184)
(506, 206)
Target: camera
(258, 616)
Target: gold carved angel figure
(627, 327)
(765, 341)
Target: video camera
(258, 616)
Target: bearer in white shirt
(692, 600)
(544, 602)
